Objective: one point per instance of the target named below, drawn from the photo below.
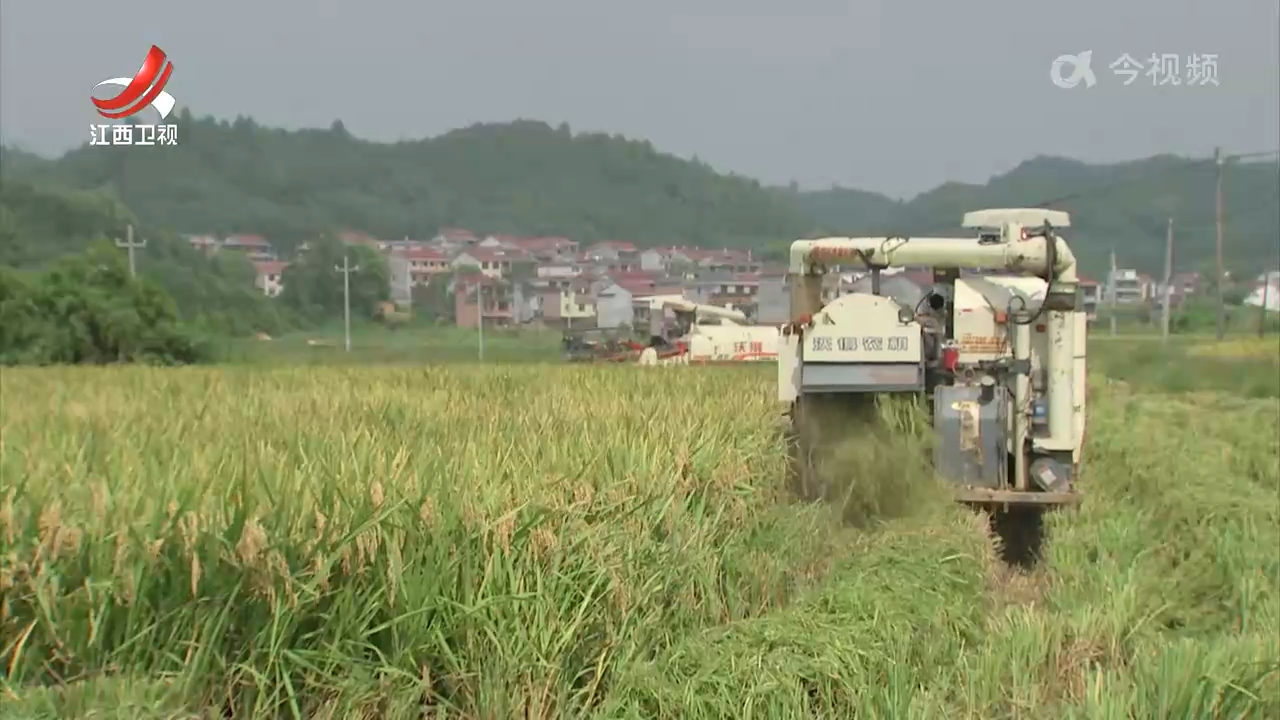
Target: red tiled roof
(270, 267)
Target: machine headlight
(905, 315)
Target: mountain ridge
(528, 177)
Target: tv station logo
(145, 88)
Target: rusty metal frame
(988, 496)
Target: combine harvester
(710, 334)
(1002, 359)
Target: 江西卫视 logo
(145, 88)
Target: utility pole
(1167, 300)
(1222, 308)
(130, 245)
(480, 314)
(346, 270)
(1263, 308)
(1111, 291)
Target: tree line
(67, 296)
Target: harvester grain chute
(710, 334)
(1000, 359)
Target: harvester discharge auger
(999, 358)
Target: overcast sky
(894, 96)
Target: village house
(1130, 287)
(1181, 287)
(653, 260)
(558, 271)
(570, 306)
(613, 255)
(255, 247)
(481, 295)
(615, 295)
(400, 281)
(1265, 292)
(737, 290)
(730, 261)
(773, 297)
(269, 276)
(207, 244)
(520, 280)
(455, 237)
(541, 249)
(495, 263)
(424, 264)
(1090, 295)
(613, 307)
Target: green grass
(1181, 366)
(416, 343)
(493, 542)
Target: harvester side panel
(1081, 388)
(970, 429)
(863, 329)
(862, 344)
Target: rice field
(545, 542)
(1248, 367)
(1260, 348)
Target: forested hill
(521, 178)
(529, 178)
(1125, 205)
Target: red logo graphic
(146, 88)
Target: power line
(1260, 154)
